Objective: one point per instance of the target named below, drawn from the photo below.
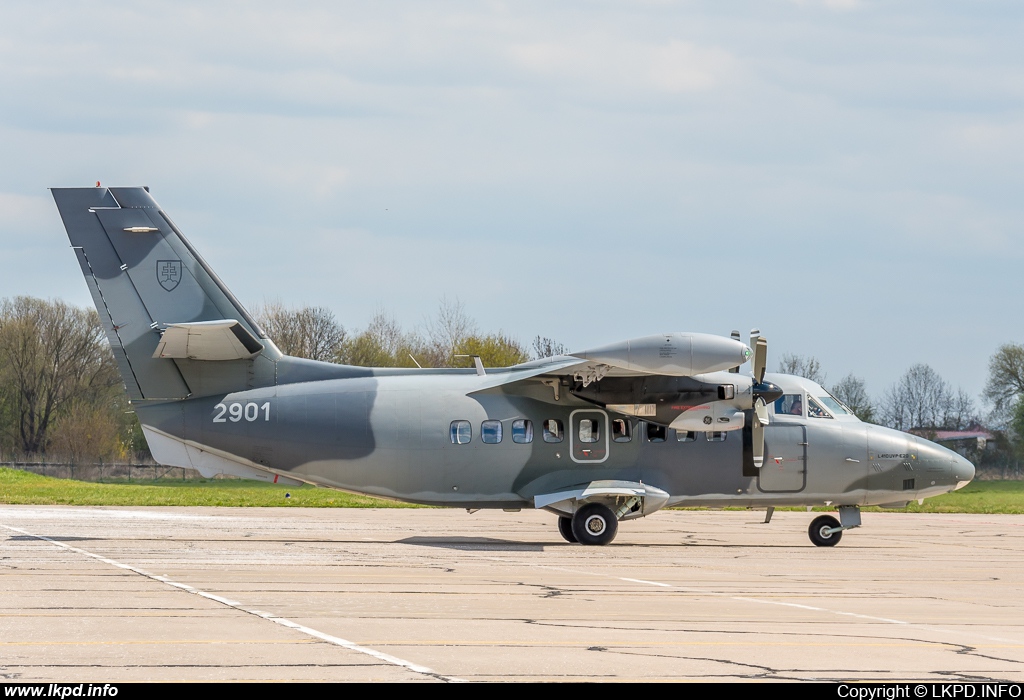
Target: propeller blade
(760, 358)
(757, 435)
(761, 411)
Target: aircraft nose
(956, 469)
(963, 471)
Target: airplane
(596, 437)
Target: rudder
(145, 276)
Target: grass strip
(26, 488)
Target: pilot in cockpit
(790, 404)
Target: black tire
(820, 538)
(594, 523)
(565, 529)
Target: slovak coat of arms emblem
(168, 273)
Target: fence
(106, 472)
(1008, 471)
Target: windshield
(834, 404)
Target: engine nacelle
(672, 354)
(710, 416)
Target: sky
(844, 175)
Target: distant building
(964, 442)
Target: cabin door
(588, 436)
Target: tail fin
(145, 278)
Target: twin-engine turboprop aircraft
(595, 437)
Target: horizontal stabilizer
(208, 340)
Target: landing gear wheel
(818, 531)
(565, 529)
(594, 523)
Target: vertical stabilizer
(145, 276)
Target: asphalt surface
(250, 594)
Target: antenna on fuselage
(478, 362)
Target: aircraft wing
(674, 380)
(665, 355)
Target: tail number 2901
(237, 411)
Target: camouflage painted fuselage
(622, 425)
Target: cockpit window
(835, 405)
(790, 405)
(814, 409)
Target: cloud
(624, 66)
(939, 222)
(505, 152)
(25, 212)
(839, 5)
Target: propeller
(763, 394)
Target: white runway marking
(652, 583)
(762, 601)
(352, 646)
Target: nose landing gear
(826, 531)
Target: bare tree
(311, 332)
(923, 399)
(386, 331)
(807, 367)
(384, 344)
(546, 347)
(447, 331)
(52, 355)
(1005, 384)
(87, 433)
(852, 392)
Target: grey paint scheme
(385, 432)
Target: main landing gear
(593, 523)
(565, 529)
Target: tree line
(61, 397)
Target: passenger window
(589, 430)
(490, 431)
(655, 433)
(553, 431)
(686, 435)
(790, 405)
(461, 432)
(716, 435)
(622, 430)
(814, 409)
(522, 431)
